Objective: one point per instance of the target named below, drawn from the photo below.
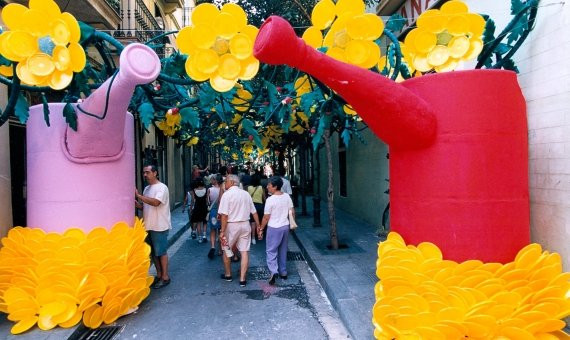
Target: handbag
(292, 223)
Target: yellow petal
(450, 65)
(225, 25)
(6, 71)
(336, 53)
(26, 76)
(458, 46)
(184, 41)
(22, 44)
(454, 7)
(249, 68)
(78, 58)
(60, 33)
(349, 6)
(476, 46)
(204, 13)
(476, 25)
(61, 58)
(425, 41)
(365, 27)
(313, 37)
(60, 79)
(206, 61)
(250, 31)
(432, 21)
(421, 64)
(48, 7)
(323, 14)
(237, 12)
(221, 84)
(12, 15)
(203, 36)
(241, 46)
(73, 25)
(24, 325)
(230, 66)
(373, 55)
(35, 23)
(5, 48)
(40, 65)
(458, 25)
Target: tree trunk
(330, 192)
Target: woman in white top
(276, 218)
(214, 195)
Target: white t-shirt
(277, 206)
(157, 218)
(286, 187)
(237, 204)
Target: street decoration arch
(431, 286)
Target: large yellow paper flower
(58, 279)
(299, 122)
(444, 37)
(351, 35)
(44, 42)
(422, 296)
(219, 44)
(241, 99)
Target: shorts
(158, 241)
(239, 234)
(213, 222)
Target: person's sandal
(161, 283)
(227, 278)
(242, 283)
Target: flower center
(443, 38)
(46, 45)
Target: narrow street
(199, 305)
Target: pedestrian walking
(276, 218)
(199, 209)
(235, 207)
(214, 224)
(187, 205)
(257, 194)
(156, 215)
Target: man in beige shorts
(235, 207)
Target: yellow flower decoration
(422, 296)
(241, 99)
(444, 37)
(193, 141)
(171, 122)
(351, 32)
(44, 42)
(302, 86)
(58, 279)
(219, 45)
(298, 122)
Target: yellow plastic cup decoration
(351, 32)
(171, 122)
(421, 295)
(444, 37)
(44, 42)
(241, 99)
(219, 45)
(59, 279)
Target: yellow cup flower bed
(59, 279)
(422, 296)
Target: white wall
(545, 81)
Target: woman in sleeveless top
(214, 224)
(199, 209)
(257, 194)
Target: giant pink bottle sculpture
(85, 178)
(458, 147)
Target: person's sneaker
(272, 279)
(211, 253)
(193, 235)
(242, 283)
(284, 277)
(227, 278)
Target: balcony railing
(115, 5)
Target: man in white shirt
(235, 207)
(286, 188)
(156, 216)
